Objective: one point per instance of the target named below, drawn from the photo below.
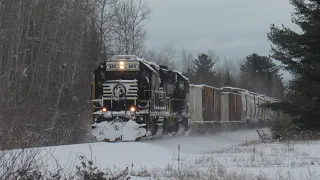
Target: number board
(132, 67)
(112, 67)
(129, 66)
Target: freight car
(213, 109)
(133, 98)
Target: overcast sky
(232, 28)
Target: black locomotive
(127, 87)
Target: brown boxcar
(232, 107)
(235, 103)
(208, 103)
(217, 105)
(239, 107)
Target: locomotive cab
(122, 87)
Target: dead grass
(249, 161)
(253, 160)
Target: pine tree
(203, 69)
(300, 54)
(259, 72)
(257, 65)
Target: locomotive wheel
(170, 128)
(175, 127)
(153, 128)
(165, 126)
(185, 124)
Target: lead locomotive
(136, 98)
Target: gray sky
(231, 28)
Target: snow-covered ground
(225, 155)
(204, 143)
(149, 153)
(293, 160)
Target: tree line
(48, 50)
(255, 73)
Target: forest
(49, 49)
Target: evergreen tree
(300, 53)
(203, 69)
(260, 73)
(257, 65)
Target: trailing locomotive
(134, 98)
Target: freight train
(214, 109)
(133, 99)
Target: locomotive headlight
(104, 109)
(121, 65)
(132, 109)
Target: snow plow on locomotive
(133, 99)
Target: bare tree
(103, 16)
(128, 26)
(214, 56)
(187, 63)
(227, 71)
(163, 56)
(47, 51)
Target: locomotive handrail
(160, 92)
(96, 100)
(177, 99)
(139, 100)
